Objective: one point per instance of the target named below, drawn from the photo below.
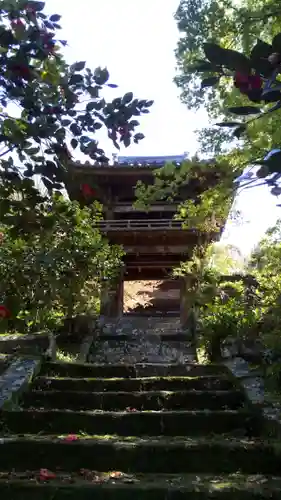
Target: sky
(136, 41)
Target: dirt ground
(158, 294)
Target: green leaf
(271, 95)
(90, 106)
(74, 143)
(78, 66)
(239, 131)
(134, 123)
(101, 76)
(274, 162)
(231, 59)
(76, 79)
(57, 185)
(97, 125)
(37, 6)
(139, 136)
(276, 191)
(28, 172)
(93, 91)
(209, 82)
(117, 102)
(47, 183)
(32, 151)
(202, 65)
(228, 124)
(149, 103)
(66, 122)
(127, 141)
(55, 18)
(259, 58)
(276, 43)
(244, 110)
(262, 172)
(75, 129)
(60, 134)
(127, 98)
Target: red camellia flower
(245, 83)
(48, 42)
(21, 70)
(87, 190)
(4, 312)
(70, 438)
(123, 130)
(17, 23)
(46, 474)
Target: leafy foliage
(239, 48)
(218, 303)
(53, 258)
(242, 305)
(208, 196)
(47, 96)
(58, 271)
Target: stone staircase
(127, 427)
(138, 339)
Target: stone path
(167, 431)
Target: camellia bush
(256, 76)
(52, 256)
(51, 118)
(56, 272)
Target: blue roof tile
(149, 160)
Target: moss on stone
(141, 400)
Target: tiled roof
(148, 160)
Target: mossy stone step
(209, 382)
(146, 455)
(168, 423)
(131, 371)
(170, 336)
(121, 487)
(145, 400)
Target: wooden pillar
(188, 310)
(104, 299)
(112, 297)
(184, 302)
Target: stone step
(145, 455)
(148, 350)
(118, 486)
(165, 336)
(145, 400)
(131, 371)
(150, 423)
(206, 383)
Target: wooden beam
(151, 265)
(154, 249)
(125, 208)
(147, 274)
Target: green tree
(206, 188)
(48, 107)
(52, 256)
(232, 27)
(56, 272)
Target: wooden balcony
(139, 225)
(123, 207)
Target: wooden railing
(139, 224)
(128, 207)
